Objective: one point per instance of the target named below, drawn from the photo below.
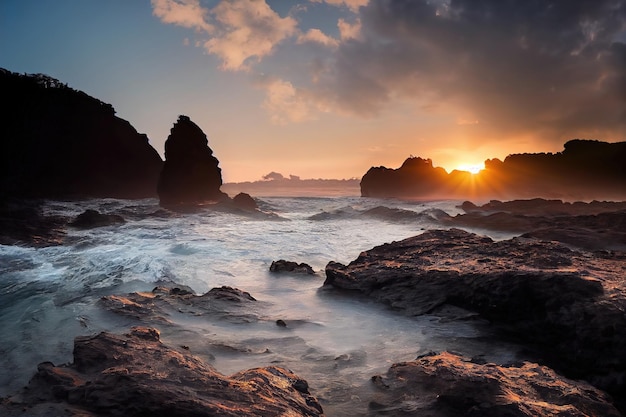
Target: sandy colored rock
(136, 375)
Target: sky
(329, 88)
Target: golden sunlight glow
(471, 168)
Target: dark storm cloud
(514, 64)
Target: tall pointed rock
(191, 174)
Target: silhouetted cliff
(58, 142)
(191, 174)
(585, 169)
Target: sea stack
(191, 174)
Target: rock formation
(448, 385)
(137, 375)
(61, 143)
(416, 177)
(585, 169)
(23, 222)
(566, 305)
(245, 201)
(191, 174)
(590, 226)
(90, 219)
(282, 265)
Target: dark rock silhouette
(289, 266)
(191, 174)
(449, 385)
(90, 219)
(245, 201)
(567, 306)
(137, 375)
(23, 222)
(596, 226)
(585, 169)
(415, 177)
(58, 142)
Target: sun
(471, 168)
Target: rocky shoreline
(564, 302)
(566, 306)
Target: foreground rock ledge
(137, 375)
(567, 306)
(448, 385)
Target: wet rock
(544, 207)
(90, 219)
(157, 307)
(290, 266)
(22, 222)
(137, 375)
(448, 385)
(191, 174)
(230, 294)
(245, 201)
(590, 226)
(567, 306)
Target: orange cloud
(248, 29)
(185, 13)
(317, 36)
(351, 4)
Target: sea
(334, 340)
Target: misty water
(334, 340)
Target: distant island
(275, 184)
(585, 169)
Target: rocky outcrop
(282, 265)
(245, 201)
(22, 222)
(137, 375)
(565, 305)
(448, 385)
(90, 219)
(191, 174)
(590, 226)
(156, 307)
(585, 169)
(57, 142)
(416, 177)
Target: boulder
(90, 219)
(244, 201)
(191, 174)
(290, 266)
(565, 305)
(448, 385)
(156, 307)
(137, 375)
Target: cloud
(349, 30)
(517, 65)
(283, 102)
(248, 29)
(317, 36)
(351, 4)
(554, 68)
(185, 13)
(240, 30)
